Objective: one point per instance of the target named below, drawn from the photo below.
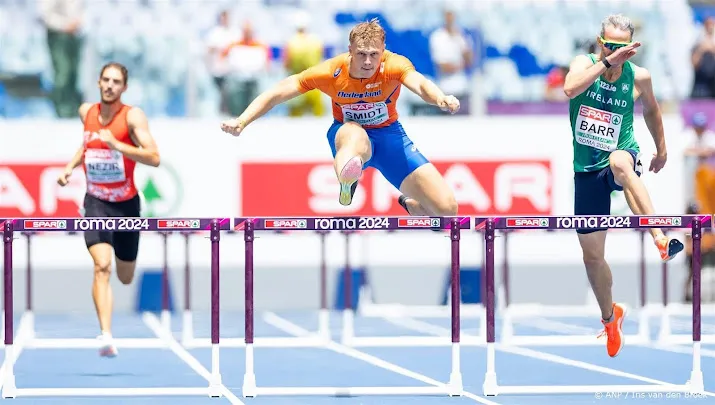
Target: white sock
(106, 335)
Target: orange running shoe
(668, 248)
(614, 330)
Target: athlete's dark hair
(117, 65)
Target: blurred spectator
(63, 23)
(700, 170)
(703, 60)
(302, 51)
(248, 60)
(218, 40)
(452, 54)
(555, 84)
(700, 157)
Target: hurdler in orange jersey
(116, 138)
(364, 85)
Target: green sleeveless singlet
(602, 120)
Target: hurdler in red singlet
(116, 137)
(110, 174)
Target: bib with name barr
(366, 113)
(598, 128)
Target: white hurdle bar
(510, 312)
(695, 384)
(250, 389)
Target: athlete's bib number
(104, 166)
(598, 128)
(366, 113)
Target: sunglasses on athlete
(614, 45)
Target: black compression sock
(403, 202)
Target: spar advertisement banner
(283, 167)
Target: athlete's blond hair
(367, 33)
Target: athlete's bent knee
(125, 272)
(354, 137)
(102, 269)
(446, 206)
(621, 163)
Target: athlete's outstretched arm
(283, 91)
(428, 91)
(652, 116)
(147, 153)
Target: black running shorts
(125, 244)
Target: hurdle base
(566, 340)
(683, 339)
(351, 391)
(372, 310)
(120, 343)
(214, 389)
(696, 383)
(409, 341)
(249, 389)
(273, 342)
(588, 389)
(109, 392)
(456, 386)
(9, 390)
(490, 388)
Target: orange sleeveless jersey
(110, 175)
(369, 102)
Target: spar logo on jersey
(527, 222)
(40, 224)
(660, 221)
(598, 115)
(178, 224)
(418, 222)
(286, 223)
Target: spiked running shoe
(349, 177)
(668, 248)
(613, 329)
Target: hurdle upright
(696, 223)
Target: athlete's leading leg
(352, 150)
(622, 165)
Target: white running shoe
(107, 349)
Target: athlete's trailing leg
(622, 166)
(353, 149)
(426, 193)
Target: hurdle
(397, 313)
(512, 311)
(694, 384)
(29, 338)
(350, 224)
(316, 339)
(670, 309)
(10, 226)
